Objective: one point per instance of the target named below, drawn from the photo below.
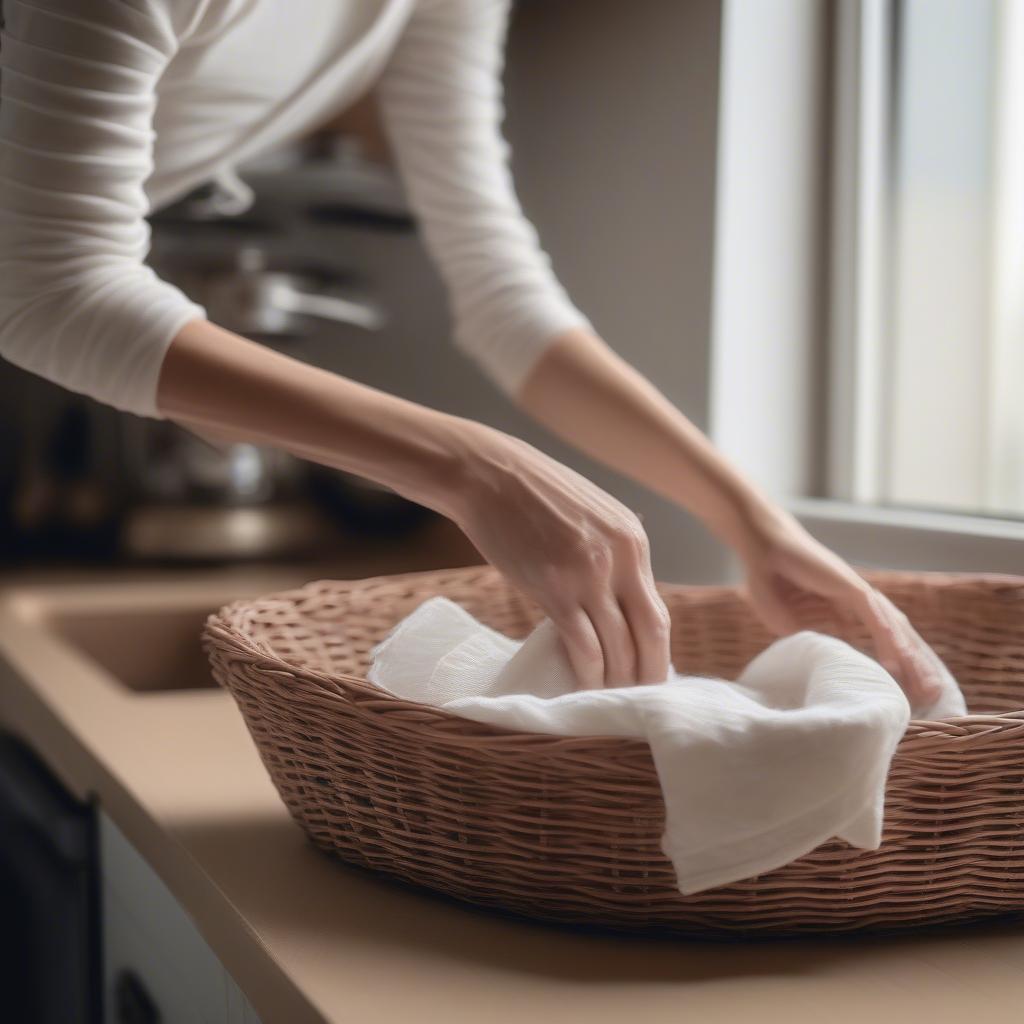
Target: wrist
(453, 459)
(741, 516)
(430, 468)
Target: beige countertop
(309, 939)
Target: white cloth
(111, 109)
(754, 773)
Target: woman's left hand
(794, 582)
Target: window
(926, 374)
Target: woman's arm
(78, 305)
(442, 106)
(590, 397)
(574, 549)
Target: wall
(612, 118)
(613, 122)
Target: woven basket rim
(222, 629)
(460, 732)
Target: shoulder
(160, 24)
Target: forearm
(215, 382)
(588, 396)
(579, 554)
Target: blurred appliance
(60, 495)
(80, 481)
(194, 499)
(197, 498)
(242, 293)
(49, 891)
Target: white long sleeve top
(112, 108)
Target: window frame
(823, 461)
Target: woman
(111, 108)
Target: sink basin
(142, 635)
(144, 649)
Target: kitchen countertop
(309, 939)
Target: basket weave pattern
(568, 829)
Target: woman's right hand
(571, 547)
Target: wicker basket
(568, 829)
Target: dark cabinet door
(49, 927)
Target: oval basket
(568, 829)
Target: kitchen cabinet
(157, 968)
(49, 915)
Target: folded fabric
(754, 773)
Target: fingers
(900, 649)
(613, 623)
(637, 621)
(651, 627)
(642, 609)
(616, 640)
(583, 648)
(879, 624)
(618, 644)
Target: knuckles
(630, 537)
(662, 623)
(600, 552)
(595, 557)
